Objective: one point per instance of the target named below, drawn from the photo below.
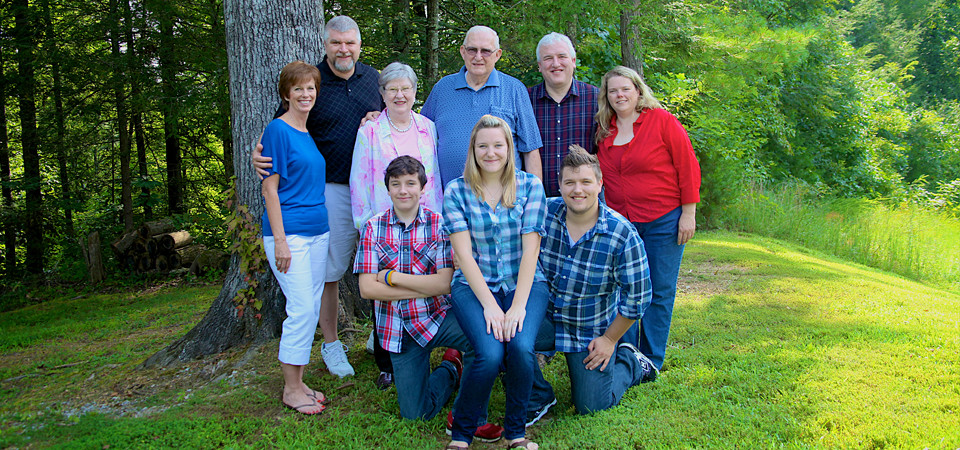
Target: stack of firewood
(156, 246)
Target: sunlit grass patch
(772, 345)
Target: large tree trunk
(262, 36)
(59, 136)
(7, 216)
(630, 44)
(25, 42)
(123, 131)
(135, 67)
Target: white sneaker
(370, 343)
(336, 359)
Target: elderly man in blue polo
(458, 100)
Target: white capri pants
(302, 285)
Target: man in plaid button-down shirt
(564, 107)
(594, 260)
(405, 265)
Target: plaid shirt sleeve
(535, 210)
(454, 215)
(633, 276)
(367, 260)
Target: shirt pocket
(507, 114)
(516, 213)
(389, 255)
(424, 259)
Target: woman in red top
(652, 177)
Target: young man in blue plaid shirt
(596, 266)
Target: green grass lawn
(772, 346)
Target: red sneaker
(487, 432)
(453, 355)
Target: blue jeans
(422, 394)
(664, 255)
(592, 390)
(490, 353)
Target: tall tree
(25, 42)
(8, 216)
(120, 97)
(630, 45)
(170, 103)
(262, 36)
(53, 52)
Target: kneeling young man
(405, 265)
(595, 263)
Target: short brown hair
(294, 73)
(405, 165)
(578, 157)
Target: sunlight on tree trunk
(630, 44)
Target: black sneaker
(534, 416)
(650, 371)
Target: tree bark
(24, 37)
(262, 36)
(66, 196)
(135, 67)
(119, 93)
(93, 257)
(433, 45)
(9, 216)
(169, 101)
(630, 44)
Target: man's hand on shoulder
(260, 163)
(372, 115)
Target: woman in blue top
(495, 217)
(295, 230)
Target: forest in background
(117, 111)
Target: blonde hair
(605, 112)
(508, 177)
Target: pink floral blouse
(372, 153)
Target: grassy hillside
(772, 345)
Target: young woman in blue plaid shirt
(495, 215)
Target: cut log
(177, 239)
(122, 244)
(163, 263)
(153, 247)
(189, 253)
(210, 260)
(145, 263)
(173, 260)
(93, 257)
(150, 229)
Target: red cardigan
(654, 173)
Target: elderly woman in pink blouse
(397, 131)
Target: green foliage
(244, 231)
(905, 238)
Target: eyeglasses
(394, 91)
(484, 52)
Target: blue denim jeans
(422, 394)
(592, 390)
(664, 256)
(490, 353)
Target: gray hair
(475, 28)
(396, 71)
(554, 38)
(342, 24)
